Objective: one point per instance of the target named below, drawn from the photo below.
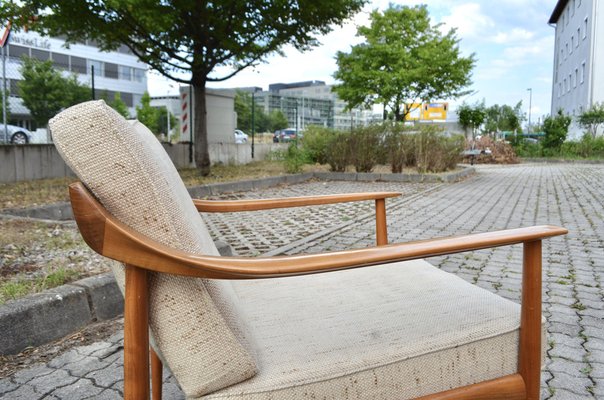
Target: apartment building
(578, 81)
(116, 71)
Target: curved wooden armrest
(111, 238)
(267, 204)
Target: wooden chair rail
(286, 202)
(111, 238)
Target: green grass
(23, 286)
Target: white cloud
(469, 20)
(513, 36)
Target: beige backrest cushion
(129, 172)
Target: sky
(511, 40)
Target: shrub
(364, 145)
(435, 152)
(555, 129)
(316, 139)
(399, 148)
(337, 151)
(294, 159)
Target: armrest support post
(136, 334)
(381, 229)
(529, 363)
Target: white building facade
(578, 80)
(114, 72)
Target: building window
(78, 64)
(124, 73)
(559, 89)
(60, 61)
(138, 74)
(564, 87)
(583, 72)
(567, 17)
(41, 55)
(576, 77)
(585, 28)
(567, 52)
(98, 67)
(111, 70)
(572, 8)
(578, 35)
(127, 98)
(579, 3)
(561, 55)
(572, 44)
(17, 51)
(569, 82)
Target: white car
(16, 134)
(240, 136)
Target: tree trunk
(202, 155)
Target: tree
(45, 91)
(118, 105)
(592, 118)
(277, 120)
(6, 93)
(187, 40)
(404, 59)
(555, 129)
(147, 115)
(471, 116)
(162, 121)
(504, 118)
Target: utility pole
(530, 90)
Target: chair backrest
(128, 171)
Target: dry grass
(48, 191)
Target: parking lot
(497, 197)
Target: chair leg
(529, 363)
(156, 376)
(136, 335)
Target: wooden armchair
(396, 328)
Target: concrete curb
(560, 161)
(62, 211)
(41, 318)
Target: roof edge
(553, 19)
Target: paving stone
(46, 383)
(495, 198)
(82, 388)
(23, 392)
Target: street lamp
(530, 90)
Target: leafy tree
(471, 116)
(404, 59)
(592, 118)
(148, 115)
(277, 120)
(162, 121)
(555, 129)
(118, 105)
(504, 118)
(243, 108)
(2, 110)
(187, 40)
(45, 91)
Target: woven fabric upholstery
(394, 331)
(129, 172)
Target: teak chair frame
(111, 238)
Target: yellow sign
(413, 111)
(426, 111)
(434, 111)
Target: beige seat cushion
(129, 172)
(396, 331)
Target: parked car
(240, 136)
(287, 135)
(16, 134)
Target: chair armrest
(111, 238)
(267, 204)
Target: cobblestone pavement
(496, 198)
